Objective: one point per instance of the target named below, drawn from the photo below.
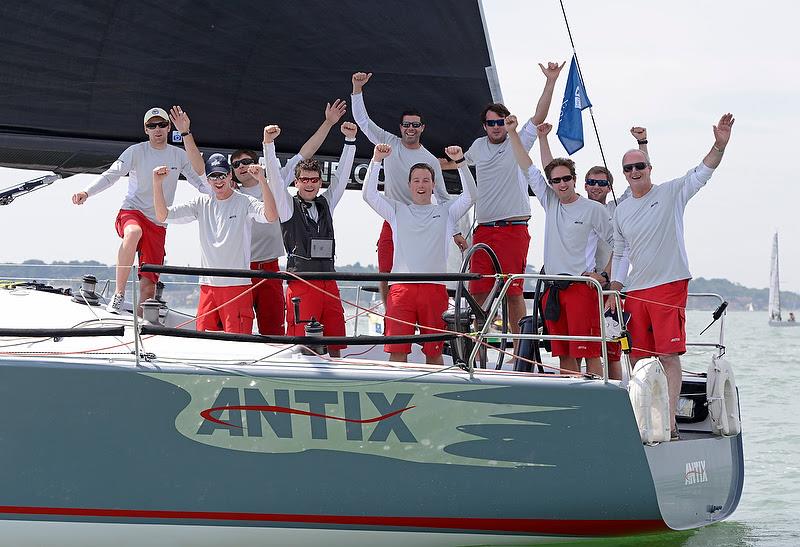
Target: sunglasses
(492, 123)
(565, 178)
(306, 180)
(162, 125)
(415, 125)
(597, 182)
(217, 176)
(245, 161)
(639, 166)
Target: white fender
(723, 400)
(650, 400)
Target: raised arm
(338, 183)
(722, 134)
(373, 132)
(283, 201)
(523, 159)
(640, 134)
(551, 72)
(333, 113)
(463, 202)
(370, 193)
(270, 209)
(180, 120)
(542, 130)
(160, 204)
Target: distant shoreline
(183, 290)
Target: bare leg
(615, 370)
(594, 365)
(437, 360)
(126, 254)
(568, 363)
(147, 289)
(398, 357)
(672, 367)
(335, 353)
(383, 289)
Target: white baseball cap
(156, 112)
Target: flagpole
(591, 113)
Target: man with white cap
(136, 221)
(226, 303)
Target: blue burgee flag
(570, 122)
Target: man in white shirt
(267, 244)
(308, 236)
(408, 151)
(421, 233)
(136, 223)
(648, 234)
(224, 228)
(503, 209)
(573, 226)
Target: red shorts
(658, 319)
(614, 351)
(234, 315)
(417, 303)
(510, 244)
(385, 249)
(313, 303)
(268, 301)
(151, 245)
(579, 316)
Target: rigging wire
(591, 112)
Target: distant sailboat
(775, 319)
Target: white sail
(774, 284)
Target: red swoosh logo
(206, 414)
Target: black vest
(298, 232)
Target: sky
(673, 67)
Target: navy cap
(217, 163)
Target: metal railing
(511, 336)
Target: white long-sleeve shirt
(138, 162)
(225, 232)
(571, 230)
(283, 200)
(502, 189)
(421, 233)
(648, 231)
(604, 250)
(397, 167)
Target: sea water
(766, 362)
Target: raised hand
(459, 240)
(257, 171)
(511, 123)
(335, 111)
(454, 152)
(271, 133)
(542, 130)
(160, 173)
(552, 70)
(349, 130)
(722, 131)
(180, 119)
(80, 198)
(639, 133)
(359, 81)
(381, 151)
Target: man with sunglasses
(308, 236)
(573, 226)
(648, 235)
(408, 151)
(224, 226)
(421, 233)
(136, 221)
(267, 240)
(503, 209)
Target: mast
(774, 284)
